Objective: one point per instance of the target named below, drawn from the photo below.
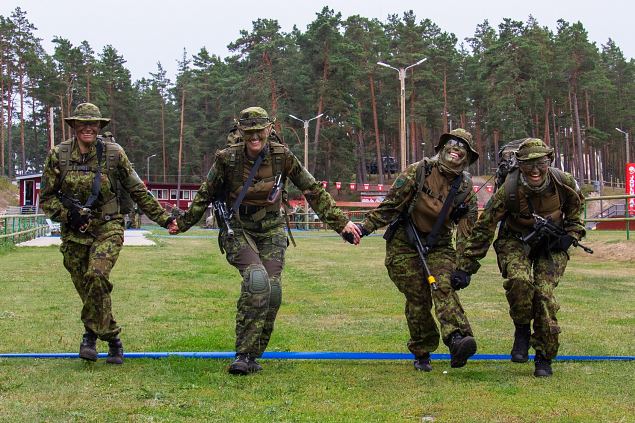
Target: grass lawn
(181, 296)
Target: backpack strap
(424, 168)
(64, 157)
(511, 192)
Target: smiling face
(86, 133)
(454, 154)
(535, 170)
(255, 140)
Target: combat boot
(240, 365)
(520, 350)
(422, 362)
(461, 348)
(88, 346)
(254, 366)
(115, 352)
(543, 366)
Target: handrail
(627, 217)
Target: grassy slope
(181, 297)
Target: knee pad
(275, 298)
(257, 279)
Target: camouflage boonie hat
(461, 135)
(533, 148)
(87, 112)
(253, 119)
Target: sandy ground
(131, 237)
(609, 251)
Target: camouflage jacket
(218, 185)
(77, 184)
(496, 210)
(404, 191)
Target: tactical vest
(551, 206)
(120, 202)
(257, 194)
(427, 203)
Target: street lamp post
(148, 167)
(402, 120)
(626, 141)
(306, 156)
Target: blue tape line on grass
(326, 355)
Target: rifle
(74, 204)
(545, 227)
(223, 216)
(275, 190)
(422, 250)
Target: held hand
(459, 279)
(173, 227)
(351, 233)
(78, 220)
(565, 242)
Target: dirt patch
(607, 251)
(9, 195)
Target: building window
(172, 194)
(185, 195)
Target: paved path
(131, 237)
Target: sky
(145, 32)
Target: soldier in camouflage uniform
(92, 236)
(422, 202)
(258, 244)
(532, 271)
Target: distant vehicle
(389, 164)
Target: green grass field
(181, 296)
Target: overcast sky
(145, 31)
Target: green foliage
(507, 81)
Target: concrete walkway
(131, 237)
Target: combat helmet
(254, 119)
(533, 148)
(87, 112)
(461, 135)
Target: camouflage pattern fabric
(530, 278)
(259, 238)
(262, 243)
(90, 266)
(404, 266)
(405, 270)
(529, 288)
(90, 256)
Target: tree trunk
(373, 101)
(361, 149)
(2, 133)
(413, 131)
(9, 127)
(22, 145)
(318, 123)
(578, 132)
(163, 150)
(546, 135)
(445, 102)
(178, 178)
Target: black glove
(565, 242)
(362, 229)
(78, 220)
(350, 238)
(459, 279)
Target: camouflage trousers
(529, 287)
(405, 270)
(90, 266)
(257, 251)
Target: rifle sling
(433, 236)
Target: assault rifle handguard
(223, 216)
(544, 227)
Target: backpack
(112, 153)
(507, 175)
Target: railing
(16, 228)
(627, 218)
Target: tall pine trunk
(373, 102)
(22, 144)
